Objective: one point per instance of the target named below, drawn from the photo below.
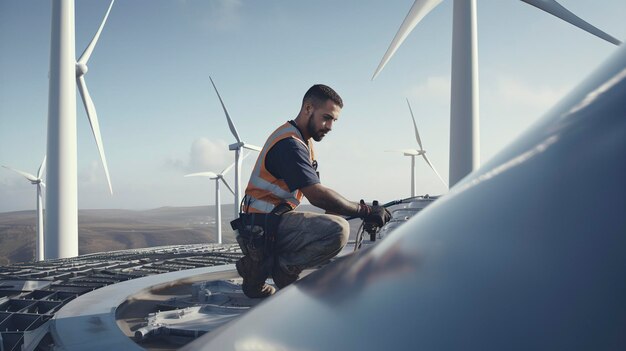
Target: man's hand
(375, 214)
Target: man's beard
(311, 129)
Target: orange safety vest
(264, 191)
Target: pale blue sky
(160, 119)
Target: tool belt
(257, 233)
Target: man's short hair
(319, 93)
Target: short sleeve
(289, 160)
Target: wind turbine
(38, 180)
(464, 123)
(65, 74)
(217, 177)
(417, 152)
(237, 148)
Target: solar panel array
(31, 292)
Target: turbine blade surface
(211, 175)
(231, 125)
(434, 170)
(554, 8)
(228, 186)
(95, 126)
(227, 169)
(42, 167)
(252, 147)
(419, 9)
(28, 176)
(405, 151)
(84, 58)
(417, 134)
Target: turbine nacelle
(409, 152)
(240, 145)
(236, 146)
(414, 152)
(81, 69)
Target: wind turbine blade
(231, 125)
(95, 126)
(252, 147)
(417, 134)
(28, 176)
(41, 168)
(42, 184)
(405, 151)
(554, 8)
(434, 170)
(246, 155)
(233, 165)
(211, 175)
(419, 9)
(227, 169)
(228, 186)
(87, 53)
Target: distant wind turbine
(237, 148)
(38, 180)
(218, 209)
(464, 124)
(65, 74)
(417, 152)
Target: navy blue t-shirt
(289, 160)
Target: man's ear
(308, 107)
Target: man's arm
(329, 200)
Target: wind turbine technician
(276, 240)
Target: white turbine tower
(65, 73)
(417, 152)
(218, 209)
(237, 148)
(38, 180)
(464, 122)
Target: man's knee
(340, 229)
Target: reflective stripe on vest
(264, 191)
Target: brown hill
(108, 230)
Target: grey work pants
(306, 239)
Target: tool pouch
(251, 240)
(257, 234)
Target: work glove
(374, 215)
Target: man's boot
(282, 278)
(253, 278)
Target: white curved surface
(89, 323)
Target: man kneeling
(276, 240)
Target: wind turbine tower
(418, 152)
(65, 72)
(218, 204)
(237, 147)
(464, 121)
(37, 180)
